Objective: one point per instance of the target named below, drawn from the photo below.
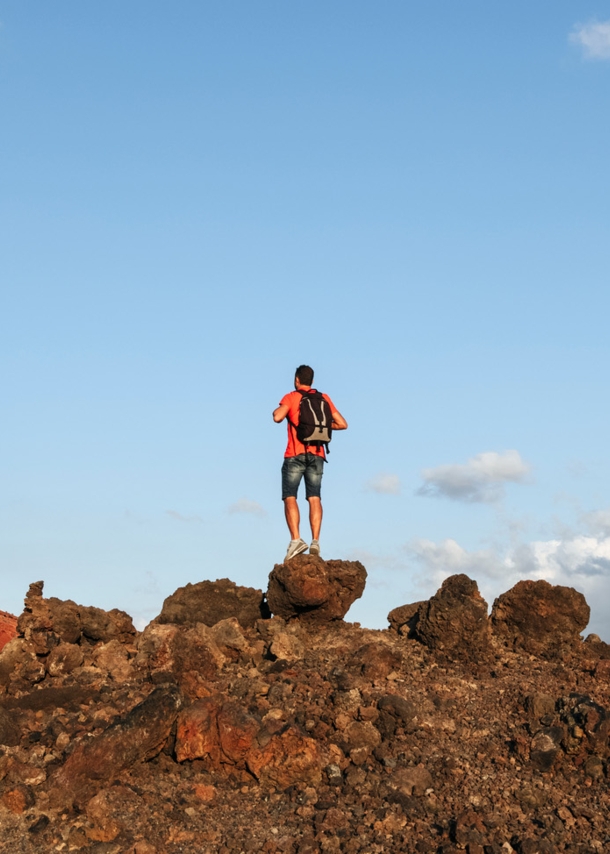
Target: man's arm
(281, 412)
(339, 422)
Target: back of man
(303, 461)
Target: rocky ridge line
(221, 728)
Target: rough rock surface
(297, 737)
(540, 618)
(208, 602)
(8, 628)
(404, 619)
(455, 619)
(314, 589)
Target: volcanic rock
(540, 618)
(8, 628)
(45, 620)
(314, 589)
(293, 737)
(209, 602)
(404, 618)
(455, 620)
(286, 760)
(138, 736)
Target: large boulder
(541, 618)
(314, 589)
(8, 628)
(454, 621)
(209, 602)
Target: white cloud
(481, 479)
(179, 517)
(246, 505)
(385, 484)
(594, 38)
(556, 561)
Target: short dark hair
(304, 374)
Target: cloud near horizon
(384, 484)
(582, 560)
(179, 517)
(480, 480)
(246, 505)
(593, 38)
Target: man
(301, 460)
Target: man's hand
(280, 413)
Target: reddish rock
(455, 620)
(404, 618)
(135, 738)
(197, 731)
(236, 731)
(286, 760)
(375, 661)
(188, 656)
(541, 618)
(45, 620)
(8, 628)
(314, 589)
(209, 602)
(222, 731)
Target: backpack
(315, 419)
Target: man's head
(303, 375)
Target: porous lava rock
(136, 737)
(8, 628)
(540, 618)
(209, 602)
(314, 589)
(404, 618)
(68, 621)
(455, 620)
(293, 737)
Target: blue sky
(197, 197)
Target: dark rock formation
(404, 618)
(68, 621)
(297, 737)
(138, 736)
(209, 602)
(455, 620)
(540, 618)
(314, 589)
(8, 628)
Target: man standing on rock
(304, 459)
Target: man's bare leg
(293, 517)
(315, 517)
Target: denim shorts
(293, 470)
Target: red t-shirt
(293, 401)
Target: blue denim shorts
(293, 470)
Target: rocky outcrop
(540, 618)
(45, 620)
(208, 602)
(404, 618)
(8, 628)
(455, 620)
(313, 589)
(292, 736)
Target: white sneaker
(295, 547)
(314, 548)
